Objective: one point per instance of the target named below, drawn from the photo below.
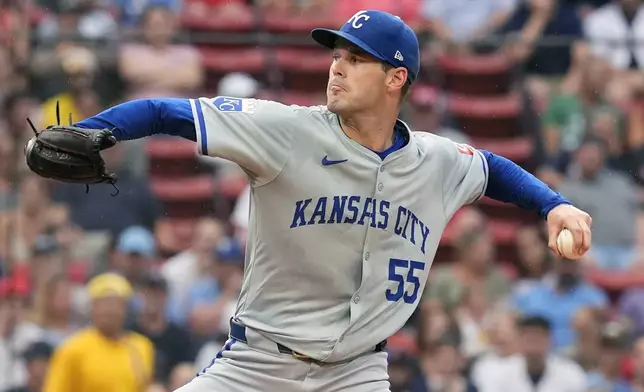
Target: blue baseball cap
(382, 35)
(137, 240)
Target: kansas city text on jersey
(359, 210)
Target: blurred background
(554, 85)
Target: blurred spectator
(156, 67)
(131, 11)
(615, 32)
(473, 316)
(631, 305)
(405, 374)
(587, 349)
(608, 374)
(535, 369)
(135, 205)
(19, 106)
(16, 335)
(36, 359)
(535, 259)
(171, 343)
(638, 365)
(35, 215)
(504, 347)
(7, 173)
(180, 376)
(614, 224)
(533, 20)
(15, 30)
(6, 73)
(79, 66)
(183, 270)
(569, 113)
(53, 309)
(213, 297)
(559, 300)
(462, 22)
(474, 265)
(609, 125)
(103, 357)
(443, 364)
(436, 324)
(134, 254)
(76, 20)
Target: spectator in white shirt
(535, 370)
(504, 340)
(616, 34)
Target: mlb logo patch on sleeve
(234, 105)
(464, 149)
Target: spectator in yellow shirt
(103, 357)
(79, 100)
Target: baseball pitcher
(348, 208)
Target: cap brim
(328, 38)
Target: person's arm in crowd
(541, 11)
(432, 11)
(186, 74)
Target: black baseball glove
(70, 154)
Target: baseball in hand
(566, 245)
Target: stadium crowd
(499, 313)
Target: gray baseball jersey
(340, 241)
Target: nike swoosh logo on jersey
(327, 162)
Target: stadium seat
(487, 116)
(185, 197)
(197, 15)
(173, 148)
(519, 149)
(303, 69)
(304, 60)
(171, 157)
(279, 23)
(223, 59)
(231, 187)
(476, 74)
(184, 189)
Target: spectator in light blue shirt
(558, 301)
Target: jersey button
(356, 299)
(341, 338)
(382, 169)
(367, 255)
(380, 186)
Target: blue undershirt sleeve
(508, 182)
(145, 117)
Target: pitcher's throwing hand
(566, 216)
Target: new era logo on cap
(381, 34)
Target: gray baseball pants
(258, 366)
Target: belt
(238, 333)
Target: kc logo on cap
(380, 34)
(357, 18)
